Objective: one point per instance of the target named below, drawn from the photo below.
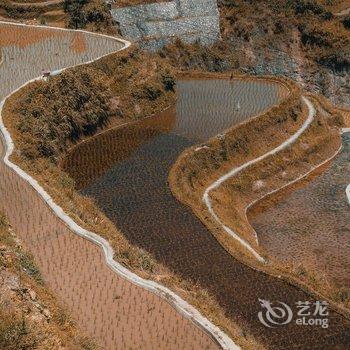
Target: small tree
(74, 9)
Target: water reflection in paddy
(135, 195)
(310, 225)
(207, 107)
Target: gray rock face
(155, 25)
(197, 8)
(142, 13)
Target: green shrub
(15, 334)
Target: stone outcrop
(159, 23)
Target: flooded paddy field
(28, 51)
(117, 313)
(207, 107)
(135, 195)
(309, 224)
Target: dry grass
(21, 324)
(316, 41)
(93, 15)
(15, 10)
(143, 77)
(217, 58)
(194, 171)
(335, 5)
(82, 101)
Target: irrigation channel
(119, 314)
(135, 195)
(311, 221)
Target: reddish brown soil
(134, 194)
(78, 44)
(24, 36)
(116, 312)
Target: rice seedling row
(117, 313)
(311, 220)
(135, 195)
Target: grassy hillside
(29, 315)
(93, 15)
(323, 37)
(299, 39)
(53, 115)
(37, 11)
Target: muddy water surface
(135, 195)
(310, 226)
(208, 107)
(117, 313)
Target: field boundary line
(347, 190)
(301, 177)
(180, 305)
(206, 196)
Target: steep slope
(30, 317)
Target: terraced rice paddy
(134, 194)
(117, 313)
(27, 51)
(220, 104)
(309, 223)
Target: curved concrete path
(343, 12)
(30, 215)
(37, 4)
(347, 190)
(206, 196)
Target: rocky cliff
(160, 23)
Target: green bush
(15, 333)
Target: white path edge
(206, 196)
(183, 307)
(347, 190)
(343, 12)
(301, 177)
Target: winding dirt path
(206, 196)
(343, 12)
(134, 194)
(104, 297)
(37, 4)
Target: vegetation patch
(30, 317)
(40, 12)
(51, 116)
(92, 15)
